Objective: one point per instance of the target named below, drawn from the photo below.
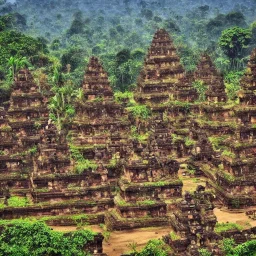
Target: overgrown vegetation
(140, 111)
(223, 227)
(204, 252)
(59, 51)
(201, 89)
(155, 247)
(16, 201)
(81, 164)
(246, 249)
(36, 239)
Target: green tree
(16, 64)
(253, 29)
(16, 45)
(232, 83)
(123, 56)
(61, 104)
(13, 21)
(246, 249)
(201, 89)
(228, 244)
(74, 57)
(233, 41)
(24, 238)
(235, 18)
(154, 247)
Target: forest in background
(55, 39)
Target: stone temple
(108, 167)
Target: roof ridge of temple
(205, 59)
(162, 39)
(161, 32)
(26, 74)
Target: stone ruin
(148, 188)
(193, 223)
(208, 74)
(236, 181)
(230, 166)
(35, 161)
(100, 171)
(161, 73)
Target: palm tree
(56, 77)
(16, 64)
(56, 107)
(80, 94)
(12, 64)
(61, 104)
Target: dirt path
(190, 184)
(239, 218)
(94, 228)
(119, 240)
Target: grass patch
(223, 227)
(16, 201)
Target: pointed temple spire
(248, 82)
(162, 70)
(207, 72)
(96, 83)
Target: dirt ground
(190, 184)
(94, 228)
(119, 241)
(239, 218)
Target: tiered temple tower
(161, 73)
(21, 128)
(11, 164)
(148, 188)
(167, 90)
(98, 134)
(208, 74)
(99, 130)
(213, 119)
(236, 177)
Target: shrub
(204, 252)
(154, 247)
(27, 238)
(222, 227)
(140, 111)
(85, 164)
(16, 201)
(228, 154)
(189, 142)
(201, 89)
